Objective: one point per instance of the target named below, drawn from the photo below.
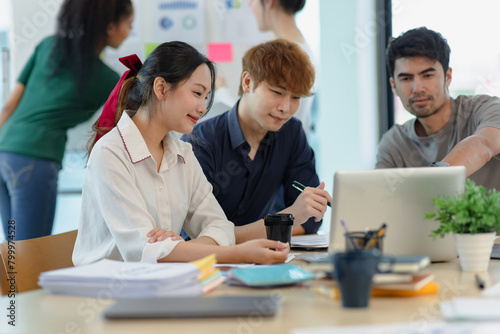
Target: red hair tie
(107, 118)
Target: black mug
(354, 270)
(279, 227)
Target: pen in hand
(300, 187)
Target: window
(471, 29)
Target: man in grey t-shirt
(457, 132)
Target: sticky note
(220, 52)
(149, 47)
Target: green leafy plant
(476, 210)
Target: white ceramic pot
(474, 250)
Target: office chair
(33, 256)
(4, 284)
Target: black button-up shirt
(249, 189)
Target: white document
(314, 257)
(289, 258)
(116, 279)
(310, 241)
(234, 265)
(106, 270)
(463, 308)
(493, 291)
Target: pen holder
(279, 227)
(354, 272)
(361, 240)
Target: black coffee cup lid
(278, 218)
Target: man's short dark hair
(290, 6)
(418, 42)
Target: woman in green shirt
(62, 85)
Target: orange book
(431, 288)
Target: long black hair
(175, 62)
(81, 29)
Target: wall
(348, 126)
(347, 100)
(35, 20)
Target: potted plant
(474, 218)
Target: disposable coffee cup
(279, 227)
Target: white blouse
(124, 197)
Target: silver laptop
(399, 197)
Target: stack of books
(402, 276)
(405, 263)
(420, 284)
(116, 279)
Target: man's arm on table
(476, 150)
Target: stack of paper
(310, 241)
(116, 279)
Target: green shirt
(48, 108)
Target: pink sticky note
(220, 52)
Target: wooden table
(42, 313)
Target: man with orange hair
(252, 153)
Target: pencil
(379, 234)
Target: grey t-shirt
(401, 147)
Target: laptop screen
(399, 197)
